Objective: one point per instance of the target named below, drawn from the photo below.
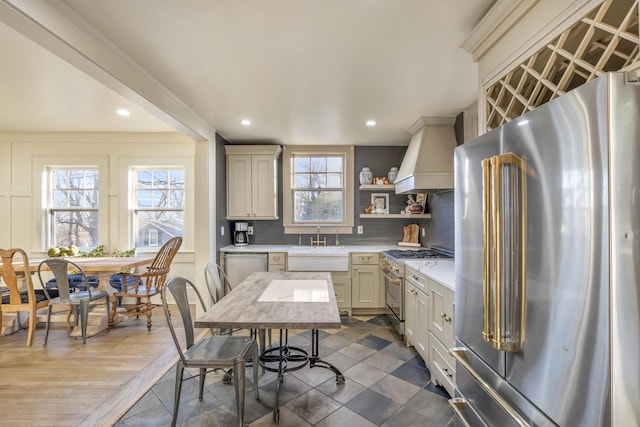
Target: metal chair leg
(46, 329)
(177, 391)
(239, 366)
(203, 373)
(84, 314)
(254, 367)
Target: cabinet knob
(355, 268)
(276, 258)
(442, 315)
(447, 318)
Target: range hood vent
(428, 163)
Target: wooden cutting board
(410, 235)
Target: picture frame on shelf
(380, 203)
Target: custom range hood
(427, 165)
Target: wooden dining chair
(210, 353)
(19, 298)
(146, 284)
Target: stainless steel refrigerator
(547, 216)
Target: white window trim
(40, 183)
(290, 227)
(127, 166)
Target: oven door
(394, 296)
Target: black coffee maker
(241, 235)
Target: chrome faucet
(317, 241)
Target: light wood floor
(67, 383)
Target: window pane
(176, 199)
(302, 181)
(144, 199)
(87, 199)
(318, 180)
(301, 164)
(143, 179)
(334, 164)
(160, 178)
(159, 199)
(78, 228)
(60, 199)
(318, 206)
(176, 179)
(318, 164)
(334, 180)
(91, 179)
(156, 227)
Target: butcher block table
(280, 300)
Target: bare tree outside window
(318, 192)
(158, 212)
(73, 207)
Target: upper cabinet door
(252, 182)
(239, 187)
(263, 185)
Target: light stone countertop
(290, 248)
(442, 270)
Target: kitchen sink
(318, 258)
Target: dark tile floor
(387, 384)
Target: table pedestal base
(290, 359)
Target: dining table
(101, 267)
(283, 301)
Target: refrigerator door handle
(457, 405)
(504, 325)
(458, 354)
(487, 333)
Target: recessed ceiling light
(123, 112)
(371, 123)
(245, 122)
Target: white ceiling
(304, 72)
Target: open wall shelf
(387, 216)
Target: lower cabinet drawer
(441, 365)
(277, 258)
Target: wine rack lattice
(606, 39)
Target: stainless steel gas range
(392, 267)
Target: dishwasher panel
(239, 266)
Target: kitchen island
(280, 300)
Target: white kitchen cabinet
(417, 312)
(277, 261)
(365, 280)
(441, 328)
(252, 181)
(410, 310)
(342, 287)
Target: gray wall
(439, 229)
